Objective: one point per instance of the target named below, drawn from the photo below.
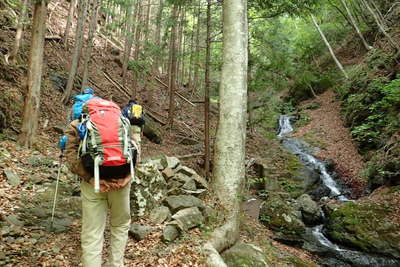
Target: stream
(315, 240)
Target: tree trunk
(207, 95)
(192, 51)
(128, 39)
(69, 22)
(229, 155)
(339, 65)
(353, 22)
(12, 57)
(158, 64)
(137, 48)
(181, 44)
(146, 28)
(77, 51)
(172, 72)
(378, 11)
(88, 54)
(381, 26)
(197, 51)
(30, 118)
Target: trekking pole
(61, 144)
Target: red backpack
(106, 149)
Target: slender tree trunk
(197, 56)
(180, 49)
(381, 26)
(378, 11)
(12, 57)
(128, 40)
(69, 22)
(339, 65)
(146, 27)
(137, 49)
(192, 51)
(341, 12)
(88, 54)
(353, 22)
(77, 51)
(229, 155)
(172, 72)
(30, 118)
(207, 95)
(158, 64)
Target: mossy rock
(367, 225)
(283, 216)
(245, 255)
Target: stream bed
(314, 239)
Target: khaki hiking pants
(94, 213)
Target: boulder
(35, 179)
(140, 231)
(12, 178)
(190, 185)
(59, 81)
(170, 233)
(168, 173)
(152, 130)
(312, 214)
(169, 162)
(14, 219)
(188, 218)
(160, 214)
(177, 203)
(148, 189)
(284, 217)
(186, 171)
(368, 224)
(242, 254)
(60, 225)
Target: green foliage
(372, 113)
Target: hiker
(114, 183)
(134, 112)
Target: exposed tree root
(221, 239)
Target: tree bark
(197, 51)
(12, 57)
(158, 64)
(128, 39)
(69, 22)
(229, 157)
(207, 95)
(355, 26)
(88, 54)
(172, 71)
(30, 118)
(77, 51)
(137, 48)
(339, 65)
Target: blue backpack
(80, 100)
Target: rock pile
(170, 193)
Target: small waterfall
(299, 148)
(317, 233)
(340, 256)
(285, 126)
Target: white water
(294, 146)
(317, 233)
